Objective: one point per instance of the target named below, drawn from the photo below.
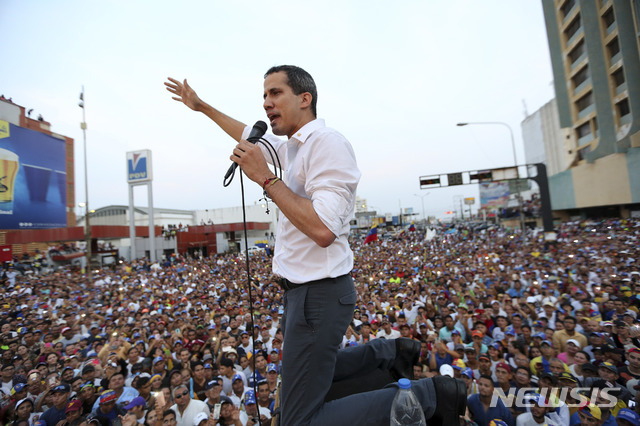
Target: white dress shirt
(319, 164)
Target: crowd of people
(540, 331)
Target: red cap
(504, 366)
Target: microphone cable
(275, 161)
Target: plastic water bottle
(405, 409)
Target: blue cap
(249, 397)
(404, 384)
(157, 360)
(62, 388)
(135, 402)
(271, 367)
(17, 388)
(207, 365)
(628, 415)
(467, 372)
(237, 377)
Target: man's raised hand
(184, 93)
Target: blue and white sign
(139, 166)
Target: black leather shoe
(451, 401)
(407, 355)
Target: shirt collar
(305, 131)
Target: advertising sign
(139, 166)
(494, 195)
(33, 179)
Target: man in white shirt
(386, 332)
(316, 198)
(186, 408)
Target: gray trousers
(315, 318)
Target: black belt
(287, 285)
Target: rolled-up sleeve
(331, 181)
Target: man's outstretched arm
(185, 94)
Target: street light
(424, 218)
(515, 161)
(87, 225)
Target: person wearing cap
(123, 393)
(477, 337)
(246, 343)
(237, 390)
(201, 419)
(540, 364)
(73, 414)
(137, 407)
(482, 410)
(573, 346)
(505, 377)
(256, 415)
(214, 393)
(385, 331)
(60, 398)
(631, 371)
(68, 337)
(600, 410)
(88, 395)
(186, 408)
(23, 410)
(485, 367)
(627, 417)
(107, 409)
(467, 376)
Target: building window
(566, 7)
(613, 47)
(618, 77)
(585, 102)
(580, 77)
(583, 130)
(608, 18)
(577, 52)
(623, 107)
(572, 28)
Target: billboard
(494, 195)
(139, 166)
(33, 179)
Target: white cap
(199, 418)
(446, 370)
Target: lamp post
(424, 218)
(87, 225)
(515, 162)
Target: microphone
(256, 133)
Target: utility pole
(87, 225)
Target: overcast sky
(393, 77)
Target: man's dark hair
(525, 369)
(569, 318)
(300, 82)
(487, 377)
